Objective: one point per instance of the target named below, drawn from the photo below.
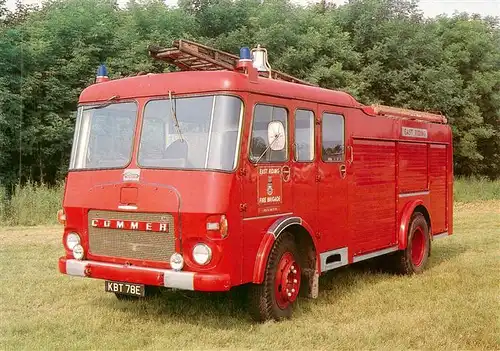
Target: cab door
(304, 158)
(332, 214)
(266, 174)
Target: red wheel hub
(287, 281)
(417, 247)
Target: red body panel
(372, 203)
(438, 186)
(362, 203)
(412, 175)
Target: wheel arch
(409, 209)
(302, 233)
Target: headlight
(202, 254)
(176, 261)
(72, 240)
(78, 252)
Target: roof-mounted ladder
(191, 56)
(396, 112)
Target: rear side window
(261, 150)
(332, 137)
(304, 135)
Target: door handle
(343, 171)
(285, 173)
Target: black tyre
(274, 298)
(150, 291)
(414, 258)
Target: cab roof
(198, 82)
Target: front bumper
(143, 275)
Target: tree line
(380, 51)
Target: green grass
(474, 189)
(454, 304)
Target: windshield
(193, 133)
(104, 136)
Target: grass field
(454, 304)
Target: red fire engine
(230, 173)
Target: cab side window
(332, 137)
(304, 135)
(263, 142)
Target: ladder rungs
(191, 56)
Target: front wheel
(414, 258)
(274, 298)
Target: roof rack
(397, 112)
(191, 56)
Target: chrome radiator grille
(134, 244)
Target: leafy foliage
(381, 51)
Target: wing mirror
(276, 137)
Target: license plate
(124, 288)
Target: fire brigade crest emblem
(270, 189)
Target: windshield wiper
(174, 115)
(108, 102)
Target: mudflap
(311, 288)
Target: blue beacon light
(102, 74)
(102, 71)
(245, 63)
(245, 54)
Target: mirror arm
(267, 148)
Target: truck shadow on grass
(444, 253)
(229, 310)
(220, 310)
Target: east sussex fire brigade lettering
(130, 225)
(269, 186)
(414, 132)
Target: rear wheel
(414, 258)
(274, 298)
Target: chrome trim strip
(178, 280)
(427, 192)
(440, 235)
(127, 207)
(76, 268)
(277, 228)
(343, 252)
(238, 142)
(374, 254)
(214, 98)
(269, 216)
(437, 146)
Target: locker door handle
(351, 154)
(343, 171)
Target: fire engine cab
(229, 173)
